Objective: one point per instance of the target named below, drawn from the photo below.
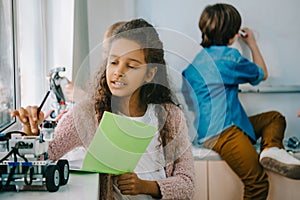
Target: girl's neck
(129, 107)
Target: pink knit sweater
(78, 127)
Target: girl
(134, 83)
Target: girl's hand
(130, 184)
(28, 117)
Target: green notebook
(118, 145)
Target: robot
(56, 81)
(24, 161)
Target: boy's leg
(237, 150)
(271, 126)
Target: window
(8, 69)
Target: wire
(20, 132)
(15, 152)
(30, 176)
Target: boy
(212, 81)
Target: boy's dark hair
(218, 24)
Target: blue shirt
(210, 87)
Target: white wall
(101, 14)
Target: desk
(80, 186)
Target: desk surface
(80, 186)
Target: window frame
(16, 78)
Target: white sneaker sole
(287, 170)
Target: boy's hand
(28, 117)
(256, 54)
(250, 39)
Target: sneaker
(281, 162)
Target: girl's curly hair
(158, 90)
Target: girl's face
(127, 69)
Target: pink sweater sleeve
(76, 128)
(180, 181)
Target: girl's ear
(151, 73)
